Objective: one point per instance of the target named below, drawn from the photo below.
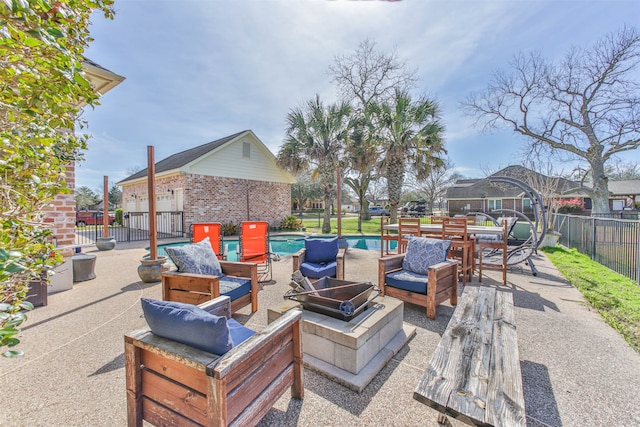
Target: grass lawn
(349, 225)
(615, 297)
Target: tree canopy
(41, 51)
(586, 106)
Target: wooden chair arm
(340, 263)
(443, 266)
(240, 269)
(220, 306)
(391, 262)
(173, 280)
(298, 259)
(386, 265)
(288, 323)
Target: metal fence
(614, 243)
(134, 227)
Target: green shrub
(119, 216)
(291, 223)
(230, 229)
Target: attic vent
(246, 150)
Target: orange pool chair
(253, 246)
(212, 230)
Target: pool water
(290, 244)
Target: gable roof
(483, 188)
(183, 158)
(213, 159)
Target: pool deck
(577, 371)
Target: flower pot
(105, 243)
(150, 270)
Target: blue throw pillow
(197, 258)
(188, 324)
(321, 251)
(423, 252)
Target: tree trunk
(600, 191)
(395, 179)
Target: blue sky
(197, 71)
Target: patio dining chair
(462, 246)
(386, 237)
(407, 227)
(493, 251)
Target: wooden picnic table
(474, 375)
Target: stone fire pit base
(351, 353)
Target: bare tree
(434, 186)
(586, 106)
(132, 170)
(369, 75)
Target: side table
(83, 266)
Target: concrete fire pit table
(351, 352)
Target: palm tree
(408, 132)
(361, 160)
(315, 139)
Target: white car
(378, 210)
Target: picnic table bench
(474, 375)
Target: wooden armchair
(241, 286)
(169, 383)
(439, 284)
(315, 271)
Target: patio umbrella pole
(105, 243)
(339, 203)
(151, 174)
(105, 207)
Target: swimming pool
(283, 244)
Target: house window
(494, 204)
(246, 150)
(526, 203)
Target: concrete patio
(577, 371)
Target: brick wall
(60, 215)
(210, 198)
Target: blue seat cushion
(234, 287)
(321, 251)
(423, 252)
(196, 258)
(188, 324)
(239, 332)
(408, 281)
(318, 271)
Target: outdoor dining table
(471, 229)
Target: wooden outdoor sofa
(169, 383)
(474, 375)
(198, 288)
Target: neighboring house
(623, 195)
(60, 215)
(232, 179)
(481, 195)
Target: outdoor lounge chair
(176, 383)
(202, 277)
(253, 246)
(421, 275)
(320, 258)
(212, 230)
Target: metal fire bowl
(345, 303)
